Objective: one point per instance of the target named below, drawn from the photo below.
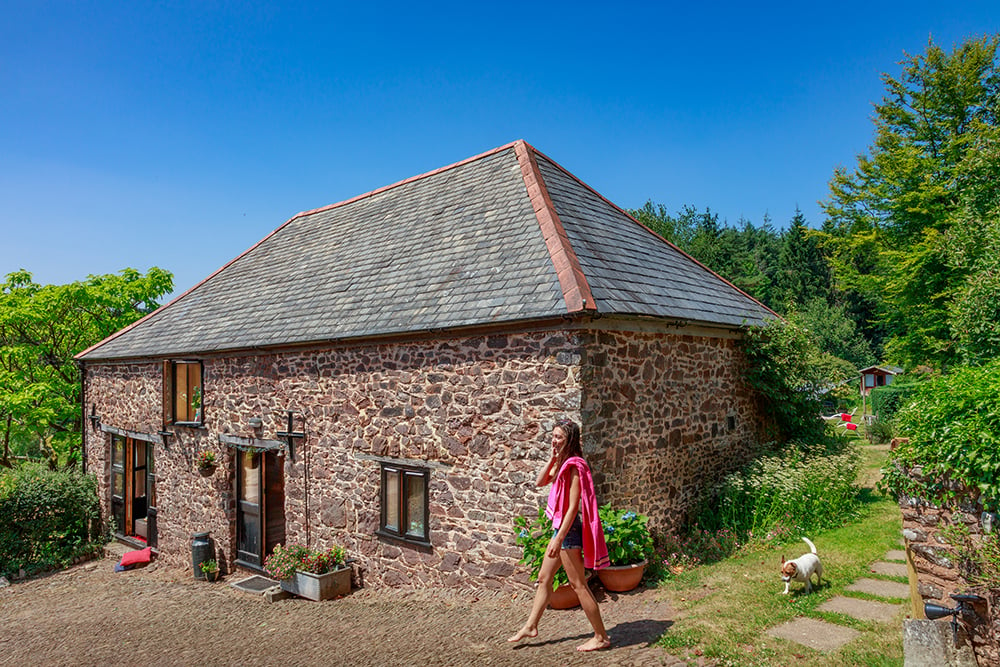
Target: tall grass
(781, 497)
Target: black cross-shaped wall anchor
(290, 436)
(95, 419)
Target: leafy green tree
(833, 332)
(41, 328)
(892, 220)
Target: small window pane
(391, 499)
(249, 477)
(194, 392)
(415, 504)
(117, 484)
(181, 396)
(140, 453)
(118, 451)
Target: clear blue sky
(178, 134)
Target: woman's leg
(572, 560)
(545, 576)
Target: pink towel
(595, 551)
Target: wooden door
(260, 514)
(133, 489)
(248, 502)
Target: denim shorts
(574, 538)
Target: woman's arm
(548, 473)
(569, 514)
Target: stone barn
(383, 373)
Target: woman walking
(578, 541)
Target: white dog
(802, 568)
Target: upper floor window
(182, 392)
(404, 500)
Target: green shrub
(785, 496)
(47, 518)
(881, 430)
(790, 373)
(953, 427)
(887, 400)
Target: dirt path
(90, 615)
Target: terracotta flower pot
(564, 597)
(621, 578)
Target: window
(405, 507)
(182, 392)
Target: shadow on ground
(638, 633)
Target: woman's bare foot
(595, 644)
(524, 632)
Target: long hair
(573, 447)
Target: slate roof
(502, 237)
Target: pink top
(595, 551)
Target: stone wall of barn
(478, 409)
(664, 415)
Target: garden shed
(877, 376)
(383, 373)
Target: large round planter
(621, 578)
(564, 597)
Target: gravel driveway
(158, 615)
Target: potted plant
(630, 545)
(533, 538)
(315, 574)
(205, 461)
(211, 569)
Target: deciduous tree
(41, 328)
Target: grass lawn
(725, 608)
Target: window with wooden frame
(182, 392)
(405, 507)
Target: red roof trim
(575, 288)
(625, 213)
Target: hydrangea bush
(627, 536)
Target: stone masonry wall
(935, 562)
(479, 410)
(664, 416)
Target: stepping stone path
(828, 637)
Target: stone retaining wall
(663, 414)
(936, 565)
